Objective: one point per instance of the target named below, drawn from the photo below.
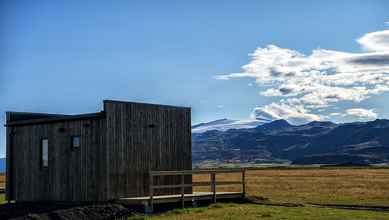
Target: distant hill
(2, 165)
(313, 143)
(226, 124)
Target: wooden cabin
(95, 157)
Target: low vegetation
(2, 180)
(322, 186)
(2, 185)
(299, 194)
(251, 212)
(284, 193)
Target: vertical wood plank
(244, 182)
(9, 184)
(183, 191)
(151, 192)
(147, 137)
(213, 186)
(113, 160)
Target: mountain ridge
(2, 165)
(311, 143)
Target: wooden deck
(195, 196)
(151, 199)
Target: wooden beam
(151, 192)
(182, 191)
(213, 186)
(244, 182)
(196, 184)
(190, 172)
(213, 183)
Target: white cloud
(321, 79)
(387, 23)
(336, 114)
(361, 113)
(375, 41)
(295, 114)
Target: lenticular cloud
(312, 83)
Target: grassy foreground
(2, 185)
(346, 186)
(251, 212)
(305, 187)
(322, 186)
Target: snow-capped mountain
(226, 124)
(317, 142)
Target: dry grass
(324, 186)
(254, 212)
(303, 186)
(2, 181)
(2, 185)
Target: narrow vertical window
(45, 152)
(76, 142)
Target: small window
(45, 152)
(76, 141)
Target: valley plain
(297, 193)
(278, 142)
(300, 193)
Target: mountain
(226, 124)
(318, 142)
(2, 165)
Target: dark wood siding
(9, 162)
(72, 175)
(118, 148)
(143, 137)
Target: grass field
(230, 211)
(2, 185)
(295, 194)
(323, 186)
(305, 189)
(2, 180)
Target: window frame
(72, 138)
(41, 156)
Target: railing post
(213, 186)
(149, 203)
(182, 191)
(151, 191)
(243, 182)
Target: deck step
(177, 197)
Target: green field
(299, 194)
(2, 185)
(2, 198)
(249, 211)
(296, 194)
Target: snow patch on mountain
(226, 124)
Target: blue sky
(67, 56)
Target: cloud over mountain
(309, 84)
(296, 114)
(367, 114)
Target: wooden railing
(213, 183)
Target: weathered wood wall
(72, 175)
(117, 150)
(143, 137)
(9, 160)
